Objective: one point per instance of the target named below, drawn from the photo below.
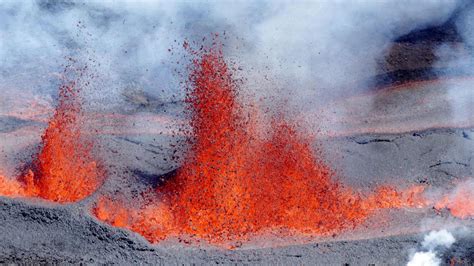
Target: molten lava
(65, 170)
(461, 202)
(236, 184)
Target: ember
(235, 184)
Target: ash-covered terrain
(37, 233)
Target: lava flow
(64, 170)
(235, 184)
(460, 202)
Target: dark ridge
(427, 41)
(404, 76)
(446, 32)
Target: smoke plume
(432, 241)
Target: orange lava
(65, 170)
(460, 203)
(14, 187)
(236, 184)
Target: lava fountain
(65, 169)
(236, 184)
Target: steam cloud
(460, 59)
(432, 241)
(308, 48)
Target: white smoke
(459, 59)
(422, 258)
(435, 239)
(334, 44)
(430, 244)
(308, 48)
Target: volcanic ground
(415, 151)
(411, 136)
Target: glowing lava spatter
(460, 202)
(235, 184)
(64, 170)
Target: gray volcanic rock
(45, 233)
(435, 157)
(42, 232)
